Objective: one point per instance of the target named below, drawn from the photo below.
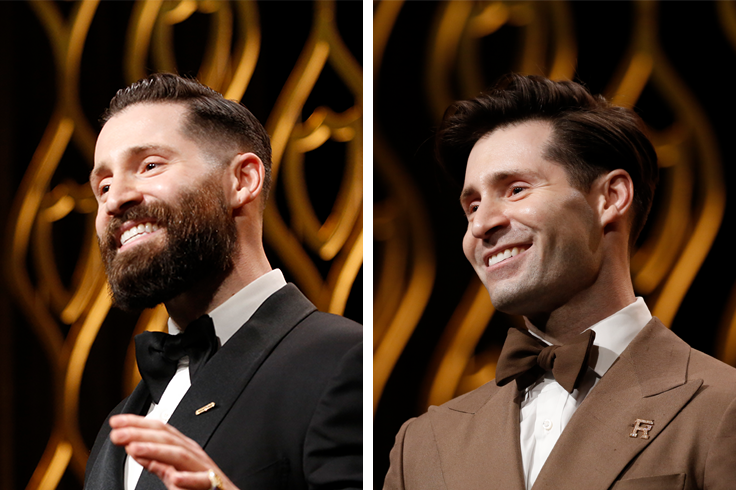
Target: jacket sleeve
(333, 448)
(395, 476)
(415, 459)
(720, 465)
(101, 441)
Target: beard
(198, 244)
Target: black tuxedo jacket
(287, 389)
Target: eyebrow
(132, 152)
(467, 191)
(496, 178)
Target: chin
(510, 306)
(511, 302)
(517, 299)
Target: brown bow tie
(525, 358)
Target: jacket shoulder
(471, 401)
(330, 324)
(706, 364)
(421, 427)
(714, 373)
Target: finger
(156, 432)
(167, 474)
(191, 480)
(130, 420)
(181, 459)
(127, 435)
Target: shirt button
(547, 424)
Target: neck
(211, 293)
(582, 311)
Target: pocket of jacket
(664, 482)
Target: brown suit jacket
(472, 442)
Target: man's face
(163, 222)
(532, 238)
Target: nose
(122, 194)
(488, 218)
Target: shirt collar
(233, 313)
(613, 334)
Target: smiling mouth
(137, 232)
(505, 254)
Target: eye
(151, 166)
(516, 190)
(472, 208)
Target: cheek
(101, 223)
(163, 188)
(536, 214)
(579, 228)
(582, 216)
(469, 246)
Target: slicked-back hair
(211, 120)
(589, 136)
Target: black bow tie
(526, 358)
(158, 353)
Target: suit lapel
(478, 439)
(648, 382)
(107, 471)
(227, 374)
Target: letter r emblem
(644, 426)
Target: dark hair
(589, 135)
(211, 118)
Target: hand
(178, 461)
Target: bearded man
(252, 388)
(594, 393)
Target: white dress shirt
(546, 407)
(227, 318)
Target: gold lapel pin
(644, 426)
(207, 407)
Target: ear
(247, 173)
(616, 196)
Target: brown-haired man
(258, 389)
(595, 393)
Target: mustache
(157, 212)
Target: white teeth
(509, 252)
(136, 232)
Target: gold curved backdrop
(436, 335)
(65, 355)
